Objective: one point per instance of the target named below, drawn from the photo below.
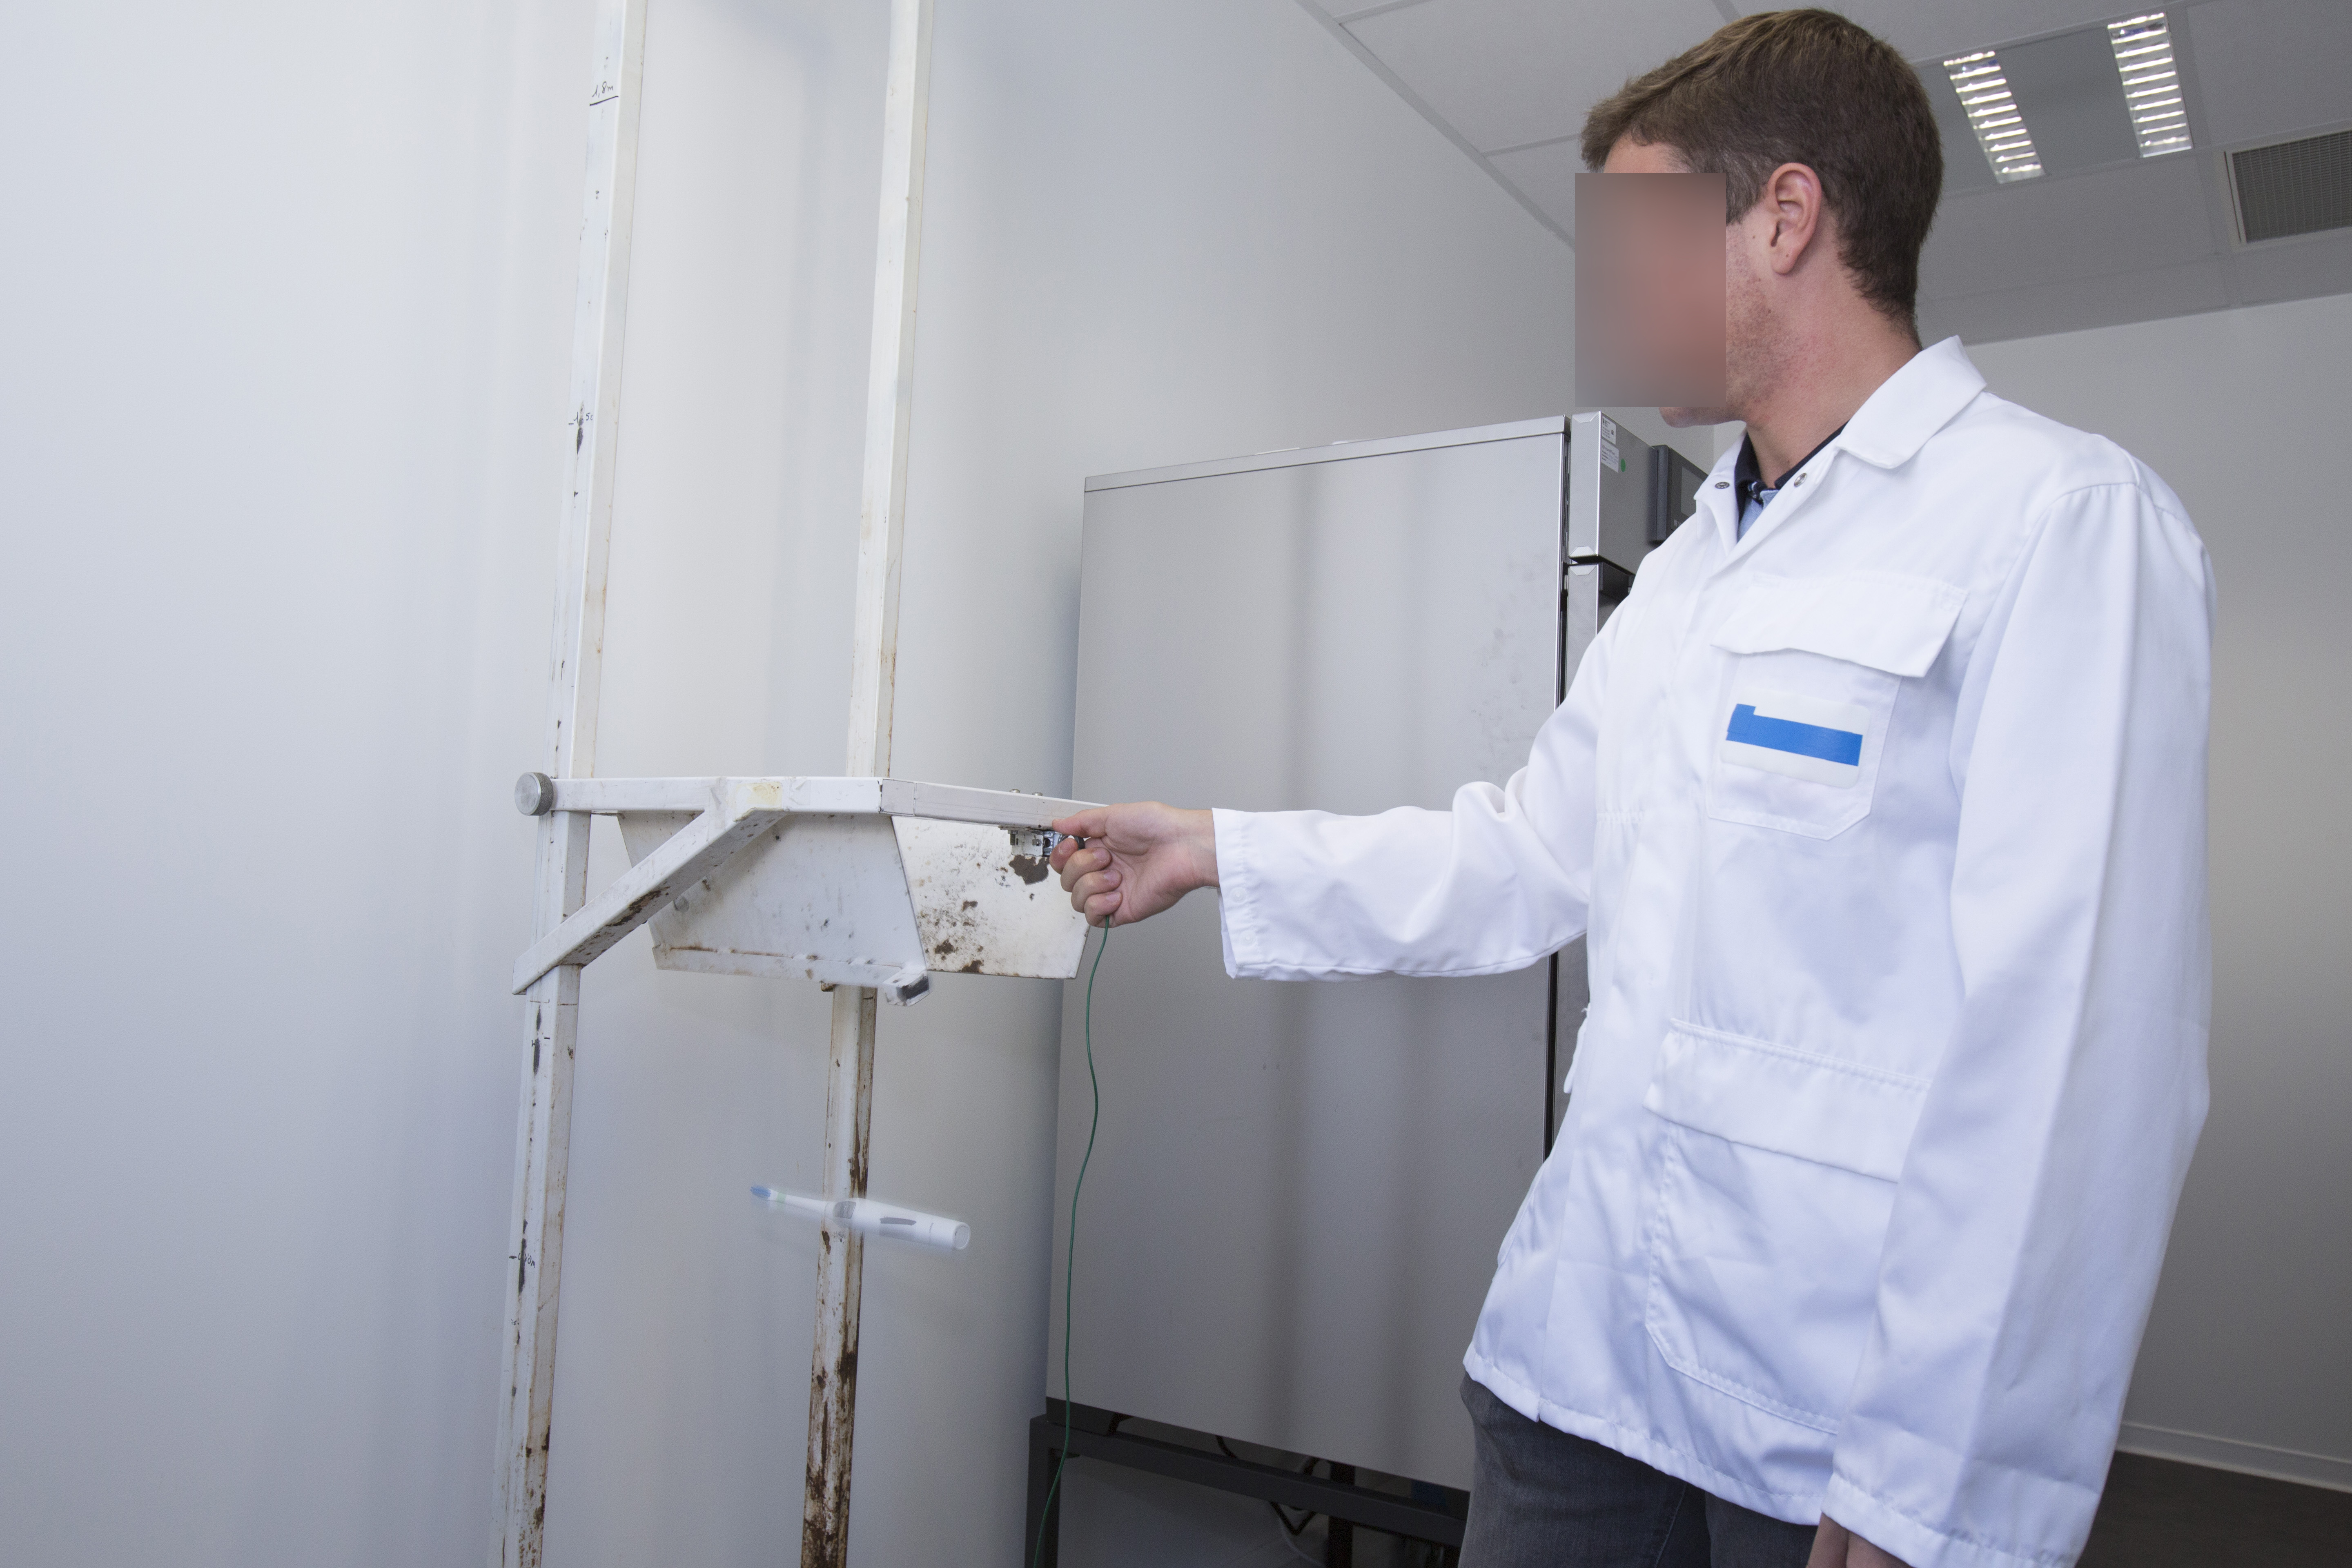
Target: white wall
(278, 383)
(281, 398)
(2247, 1361)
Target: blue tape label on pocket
(1753, 729)
(1780, 733)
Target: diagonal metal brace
(744, 810)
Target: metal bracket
(844, 882)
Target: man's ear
(1792, 208)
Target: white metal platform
(846, 881)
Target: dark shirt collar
(1748, 476)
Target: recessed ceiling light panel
(1994, 116)
(2159, 114)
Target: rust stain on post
(841, 1255)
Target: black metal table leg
(1431, 1513)
(1041, 1547)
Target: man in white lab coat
(1882, 799)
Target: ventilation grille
(2294, 187)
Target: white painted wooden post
(873, 678)
(889, 389)
(535, 1234)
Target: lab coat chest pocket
(1799, 724)
(1776, 1177)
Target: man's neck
(1821, 381)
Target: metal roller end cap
(534, 795)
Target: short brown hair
(1800, 87)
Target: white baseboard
(2228, 1454)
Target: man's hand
(1835, 1546)
(1138, 859)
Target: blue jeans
(1540, 1498)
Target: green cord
(1070, 1264)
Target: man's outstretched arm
(1496, 883)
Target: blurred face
(1650, 289)
(1674, 315)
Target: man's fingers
(1091, 823)
(1070, 850)
(1081, 862)
(1099, 909)
(1091, 885)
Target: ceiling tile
(2297, 268)
(1922, 29)
(2269, 67)
(2073, 99)
(2184, 290)
(1546, 175)
(1507, 72)
(2140, 216)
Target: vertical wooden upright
(535, 1232)
(873, 678)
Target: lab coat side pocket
(1776, 1179)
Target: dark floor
(2160, 1513)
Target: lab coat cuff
(1237, 921)
(1922, 1545)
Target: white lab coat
(1888, 824)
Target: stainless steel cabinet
(1298, 1190)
